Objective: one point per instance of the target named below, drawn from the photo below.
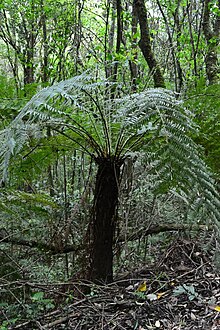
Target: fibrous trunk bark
(103, 220)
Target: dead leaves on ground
(163, 297)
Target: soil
(180, 292)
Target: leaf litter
(180, 292)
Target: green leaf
(37, 296)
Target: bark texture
(103, 226)
(212, 34)
(145, 44)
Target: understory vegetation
(109, 164)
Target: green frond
(13, 139)
(24, 209)
(153, 122)
(162, 127)
(64, 105)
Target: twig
(61, 320)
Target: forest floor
(180, 292)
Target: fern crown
(152, 122)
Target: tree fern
(152, 122)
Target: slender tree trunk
(145, 44)
(133, 65)
(28, 65)
(29, 51)
(118, 44)
(78, 33)
(103, 221)
(119, 36)
(178, 74)
(178, 24)
(212, 40)
(45, 75)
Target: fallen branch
(36, 244)
(156, 229)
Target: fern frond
(161, 126)
(152, 121)
(66, 104)
(13, 139)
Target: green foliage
(30, 309)
(26, 214)
(9, 103)
(51, 25)
(205, 104)
(40, 303)
(65, 125)
(153, 121)
(5, 324)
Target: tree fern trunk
(103, 226)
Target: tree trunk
(212, 40)
(103, 220)
(119, 36)
(178, 74)
(45, 76)
(132, 64)
(28, 68)
(145, 44)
